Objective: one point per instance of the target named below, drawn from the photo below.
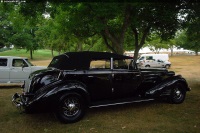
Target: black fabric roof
(81, 60)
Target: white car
(154, 63)
(16, 69)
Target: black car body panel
(117, 81)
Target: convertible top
(81, 60)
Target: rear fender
(164, 88)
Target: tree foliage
(23, 31)
(155, 43)
(113, 26)
(189, 37)
(6, 29)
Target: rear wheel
(71, 108)
(177, 94)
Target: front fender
(164, 88)
(70, 86)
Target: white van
(154, 60)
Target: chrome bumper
(17, 101)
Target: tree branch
(145, 33)
(106, 42)
(126, 23)
(136, 35)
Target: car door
(125, 82)
(19, 70)
(160, 63)
(4, 70)
(99, 84)
(150, 61)
(98, 80)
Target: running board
(121, 103)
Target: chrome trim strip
(104, 105)
(111, 63)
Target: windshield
(53, 62)
(141, 58)
(29, 62)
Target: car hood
(38, 67)
(167, 62)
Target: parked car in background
(154, 63)
(154, 60)
(75, 81)
(16, 69)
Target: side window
(100, 64)
(3, 62)
(149, 57)
(121, 64)
(19, 63)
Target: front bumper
(18, 101)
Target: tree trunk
(106, 42)
(196, 53)
(31, 54)
(172, 52)
(117, 41)
(138, 45)
(80, 46)
(52, 52)
(136, 53)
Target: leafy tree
(45, 35)
(24, 32)
(188, 41)
(160, 18)
(112, 21)
(189, 37)
(171, 44)
(155, 43)
(193, 37)
(6, 29)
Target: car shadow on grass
(94, 113)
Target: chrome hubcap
(177, 93)
(71, 106)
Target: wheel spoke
(71, 106)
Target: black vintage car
(76, 81)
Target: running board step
(118, 103)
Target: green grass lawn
(132, 118)
(146, 117)
(37, 55)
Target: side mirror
(24, 65)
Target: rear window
(100, 64)
(3, 62)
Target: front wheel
(71, 108)
(177, 94)
(167, 66)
